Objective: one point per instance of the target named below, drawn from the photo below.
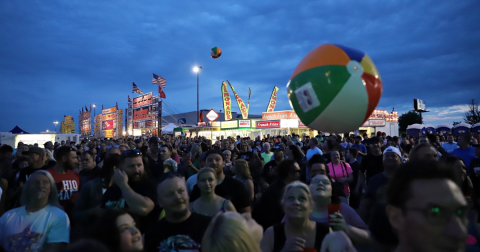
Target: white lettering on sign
(376, 123)
(244, 123)
(268, 124)
(229, 124)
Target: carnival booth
(476, 128)
(414, 129)
(444, 129)
(181, 130)
(461, 128)
(240, 127)
(430, 129)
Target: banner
(144, 113)
(108, 125)
(85, 123)
(227, 102)
(142, 100)
(273, 100)
(240, 103)
(109, 110)
(248, 103)
(109, 133)
(107, 117)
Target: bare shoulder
(267, 241)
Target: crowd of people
(272, 193)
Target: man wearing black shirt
(90, 170)
(372, 206)
(269, 211)
(269, 170)
(157, 156)
(132, 189)
(180, 229)
(245, 153)
(371, 165)
(37, 157)
(228, 188)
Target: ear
(396, 217)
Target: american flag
(135, 89)
(129, 99)
(157, 80)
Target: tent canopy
(168, 129)
(18, 130)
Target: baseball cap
(137, 140)
(280, 147)
(394, 150)
(153, 140)
(36, 150)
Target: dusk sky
(58, 56)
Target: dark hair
(62, 152)
(6, 148)
(109, 163)
(20, 159)
(398, 190)
(374, 140)
(315, 140)
(213, 151)
(85, 245)
(169, 175)
(297, 154)
(285, 167)
(353, 152)
(105, 229)
(168, 146)
(413, 153)
(89, 152)
(465, 136)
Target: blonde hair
(195, 152)
(297, 184)
(241, 167)
(52, 197)
(228, 234)
(204, 170)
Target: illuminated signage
(279, 115)
(244, 123)
(229, 124)
(268, 124)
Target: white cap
(394, 150)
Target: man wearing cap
(269, 170)
(38, 158)
(372, 208)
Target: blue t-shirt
(467, 155)
(361, 148)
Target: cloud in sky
(57, 56)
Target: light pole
(196, 69)
(94, 115)
(55, 126)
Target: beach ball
(334, 88)
(216, 52)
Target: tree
(455, 123)
(409, 118)
(473, 115)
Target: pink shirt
(338, 172)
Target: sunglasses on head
(131, 153)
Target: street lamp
(196, 69)
(55, 126)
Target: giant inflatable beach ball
(334, 88)
(216, 52)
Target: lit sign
(268, 124)
(229, 124)
(279, 115)
(244, 123)
(212, 115)
(383, 114)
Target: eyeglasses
(318, 181)
(131, 153)
(438, 215)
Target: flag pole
(160, 108)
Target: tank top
(280, 238)
(221, 209)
